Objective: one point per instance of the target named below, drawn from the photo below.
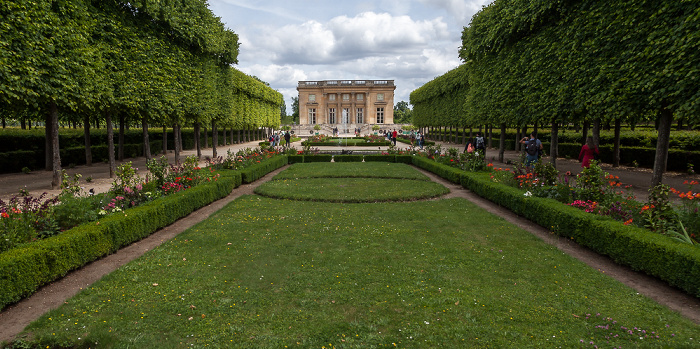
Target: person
(287, 138)
(277, 139)
(393, 136)
(588, 153)
(413, 138)
(272, 139)
(469, 147)
(480, 144)
(421, 141)
(533, 147)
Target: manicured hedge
(380, 158)
(347, 158)
(318, 158)
(257, 171)
(295, 159)
(676, 263)
(24, 269)
(447, 172)
(405, 159)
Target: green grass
(351, 170)
(267, 273)
(349, 190)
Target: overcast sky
(287, 41)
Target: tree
(402, 113)
(295, 109)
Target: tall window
(380, 115)
(346, 96)
(346, 115)
(360, 117)
(360, 97)
(331, 116)
(331, 97)
(312, 98)
(380, 97)
(312, 116)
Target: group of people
(477, 144)
(277, 136)
(533, 151)
(417, 136)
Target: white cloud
(461, 10)
(346, 38)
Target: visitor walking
(287, 138)
(421, 140)
(393, 136)
(533, 147)
(277, 139)
(480, 145)
(589, 151)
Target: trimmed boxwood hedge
(257, 171)
(380, 158)
(674, 262)
(24, 269)
(318, 158)
(295, 159)
(347, 158)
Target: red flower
(5, 215)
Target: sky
(287, 41)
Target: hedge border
(24, 269)
(676, 263)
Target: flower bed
(28, 266)
(642, 249)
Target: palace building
(350, 103)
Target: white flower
(528, 193)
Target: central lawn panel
(266, 273)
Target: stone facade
(346, 104)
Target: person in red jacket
(393, 137)
(588, 153)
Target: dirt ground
(14, 318)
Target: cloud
(460, 10)
(347, 38)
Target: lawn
(269, 273)
(351, 170)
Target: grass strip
(351, 190)
(262, 273)
(351, 170)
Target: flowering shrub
(26, 218)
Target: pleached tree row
(148, 62)
(530, 62)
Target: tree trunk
(197, 145)
(110, 144)
(224, 136)
(176, 140)
(23, 123)
(662, 142)
(179, 134)
(120, 150)
(214, 139)
(48, 164)
(554, 146)
(165, 140)
(464, 135)
(490, 135)
(239, 136)
(55, 150)
(146, 141)
(616, 144)
(206, 138)
(88, 145)
(3, 122)
(584, 132)
(518, 137)
(596, 132)
(232, 142)
(502, 143)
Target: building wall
(369, 89)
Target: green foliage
(351, 170)
(442, 100)
(347, 158)
(253, 173)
